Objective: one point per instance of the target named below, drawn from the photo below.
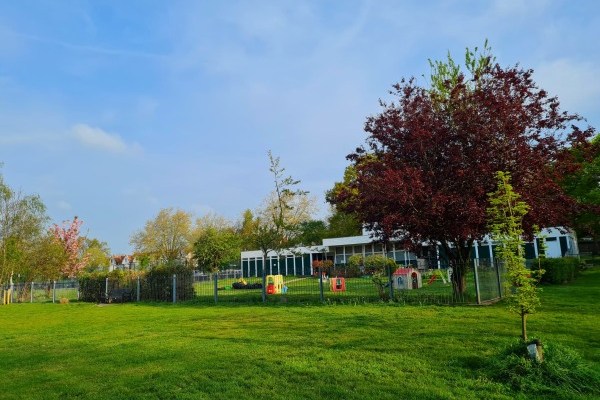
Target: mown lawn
(378, 351)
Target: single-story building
(298, 261)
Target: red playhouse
(337, 284)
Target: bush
(558, 270)
(157, 284)
(561, 374)
(92, 286)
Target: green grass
(302, 289)
(379, 351)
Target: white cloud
(63, 205)
(100, 139)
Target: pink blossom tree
(68, 237)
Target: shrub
(560, 375)
(157, 284)
(558, 270)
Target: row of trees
(32, 248)
(213, 242)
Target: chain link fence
(482, 282)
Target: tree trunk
(459, 279)
(264, 276)
(459, 256)
(523, 325)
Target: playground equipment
(274, 284)
(337, 284)
(407, 278)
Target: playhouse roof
(404, 271)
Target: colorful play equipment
(337, 284)
(274, 284)
(407, 279)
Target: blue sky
(112, 110)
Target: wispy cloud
(575, 83)
(90, 49)
(99, 139)
(63, 205)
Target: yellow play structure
(274, 284)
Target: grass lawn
(164, 351)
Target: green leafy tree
(97, 253)
(22, 222)
(506, 212)
(216, 248)
(312, 232)
(378, 265)
(584, 185)
(166, 238)
(277, 224)
(342, 224)
(246, 229)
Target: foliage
(157, 283)
(216, 248)
(562, 373)
(506, 213)
(166, 237)
(68, 237)
(342, 224)
(98, 254)
(430, 158)
(378, 266)
(312, 232)
(558, 270)
(583, 185)
(246, 228)
(322, 265)
(356, 260)
(45, 260)
(92, 285)
(277, 224)
(22, 223)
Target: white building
(298, 261)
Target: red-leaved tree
(431, 156)
(68, 237)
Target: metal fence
(41, 292)
(482, 283)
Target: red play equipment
(432, 279)
(337, 284)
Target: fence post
(477, 293)
(216, 286)
(264, 284)
(391, 282)
(53, 291)
(174, 288)
(497, 265)
(32, 291)
(321, 284)
(138, 289)
(106, 289)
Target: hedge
(558, 270)
(155, 284)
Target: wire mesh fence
(477, 282)
(41, 292)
